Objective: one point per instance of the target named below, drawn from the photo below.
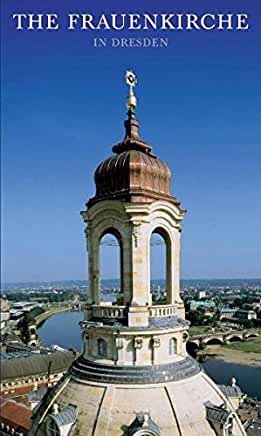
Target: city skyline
(63, 109)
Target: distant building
(4, 315)
(24, 306)
(24, 371)
(201, 294)
(256, 304)
(233, 393)
(245, 314)
(15, 316)
(253, 427)
(28, 330)
(4, 305)
(15, 419)
(226, 313)
(35, 396)
(207, 305)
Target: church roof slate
(36, 364)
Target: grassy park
(199, 330)
(251, 346)
(43, 316)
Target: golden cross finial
(131, 80)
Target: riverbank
(245, 353)
(62, 329)
(52, 311)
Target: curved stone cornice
(113, 207)
(167, 207)
(156, 326)
(160, 208)
(83, 369)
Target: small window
(145, 433)
(52, 428)
(172, 346)
(102, 347)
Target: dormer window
(60, 423)
(53, 429)
(220, 418)
(143, 426)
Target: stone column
(140, 279)
(94, 269)
(127, 268)
(170, 271)
(176, 268)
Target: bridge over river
(200, 341)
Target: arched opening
(172, 346)
(101, 348)
(235, 339)
(252, 336)
(160, 267)
(192, 349)
(111, 265)
(214, 341)
(145, 433)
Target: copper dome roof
(133, 173)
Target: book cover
(119, 121)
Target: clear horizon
(63, 106)
(155, 279)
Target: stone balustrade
(103, 311)
(120, 312)
(162, 311)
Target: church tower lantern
(134, 376)
(133, 201)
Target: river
(63, 329)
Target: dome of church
(133, 173)
(190, 405)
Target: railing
(162, 311)
(120, 312)
(117, 312)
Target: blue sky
(64, 106)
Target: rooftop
(253, 427)
(15, 415)
(36, 364)
(231, 391)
